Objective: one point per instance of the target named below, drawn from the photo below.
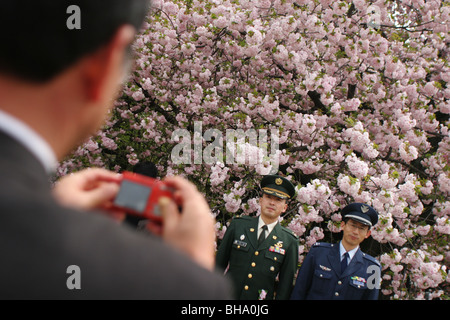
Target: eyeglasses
(360, 228)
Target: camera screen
(133, 196)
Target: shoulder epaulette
(372, 259)
(242, 217)
(323, 245)
(289, 231)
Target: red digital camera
(138, 195)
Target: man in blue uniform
(342, 271)
(257, 250)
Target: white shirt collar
(351, 253)
(30, 139)
(269, 226)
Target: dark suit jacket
(254, 267)
(40, 240)
(320, 276)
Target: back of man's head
(146, 168)
(41, 38)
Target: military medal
(358, 281)
(277, 248)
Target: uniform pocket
(357, 284)
(272, 262)
(239, 254)
(356, 289)
(274, 256)
(240, 246)
(322, 280)
(321, 274)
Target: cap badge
(278, 181)
(364, 208)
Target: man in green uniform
(258, 249)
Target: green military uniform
(252, 267)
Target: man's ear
(285, 205)
(103, 70)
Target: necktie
(344, 262)
(262, 236)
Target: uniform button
(336, 294)
(245, 287)
(256, 253)
(275, 258)
(253, 264)
(339, 282)
(238, 247)
(250, 276)
(272, 268)
(321, 275)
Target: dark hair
(146, 168)
(37, 44)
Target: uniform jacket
(320, 276)
(253, 268)
(40, 241)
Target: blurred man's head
(62, 80)
(37, 39)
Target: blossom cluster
(358, 91)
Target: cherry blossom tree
(357, 92)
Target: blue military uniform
(320, 276)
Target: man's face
(271, 206)
(354, 232)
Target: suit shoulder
(290, 233)
(371, 259)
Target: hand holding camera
(88, 189)
(139, 195)
(174, 204)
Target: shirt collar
(351, 253)
(21, 132)
(269, 226)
